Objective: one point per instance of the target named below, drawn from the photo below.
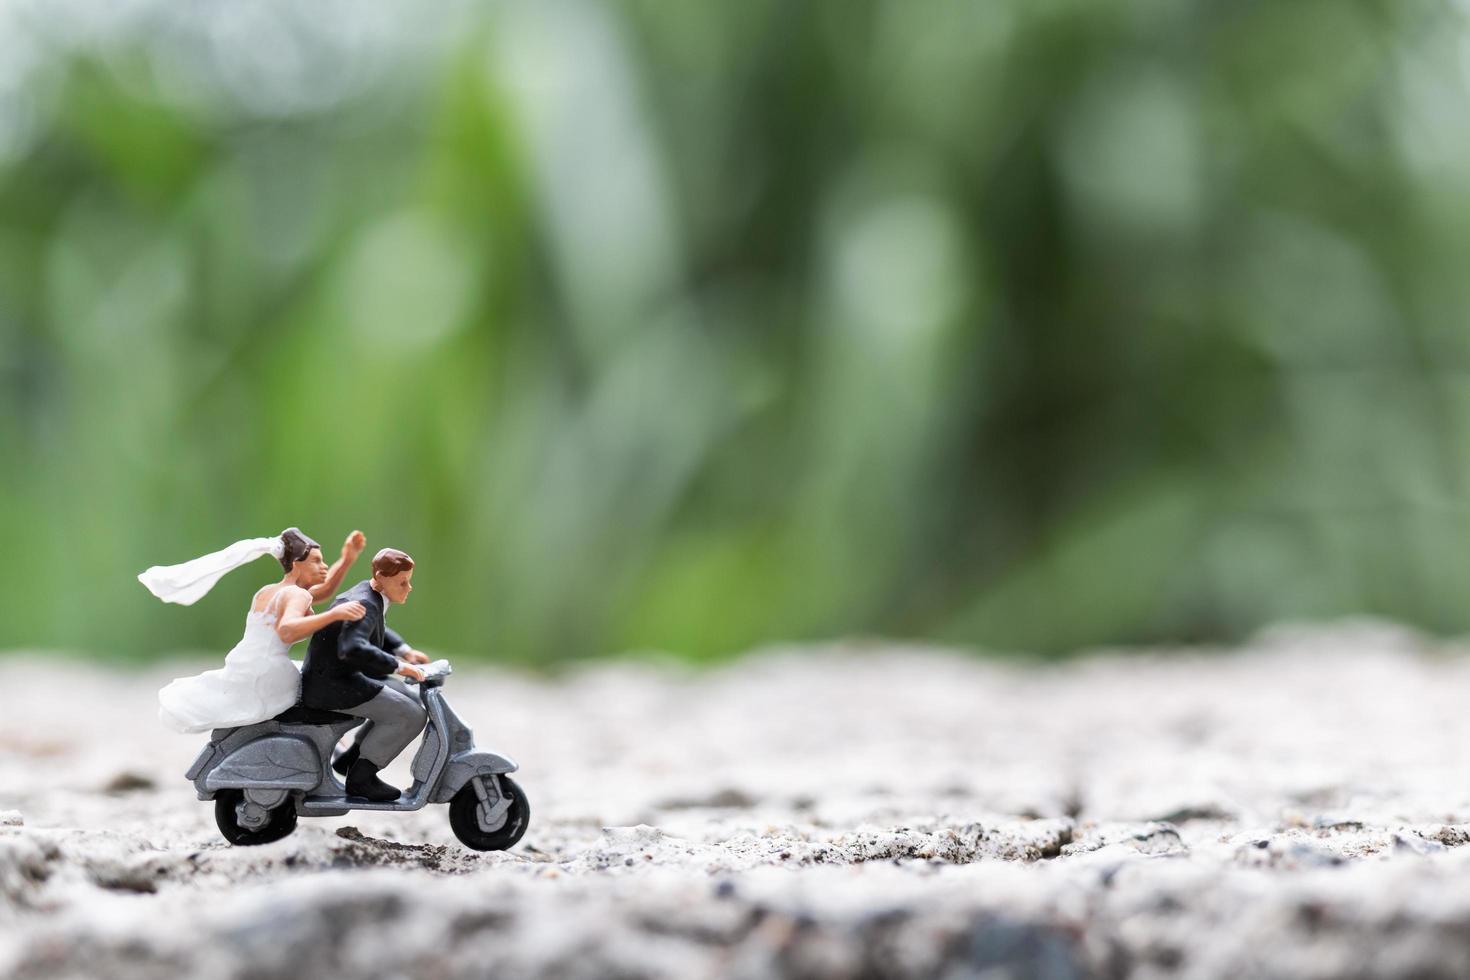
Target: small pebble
(128, 782)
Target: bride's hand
(352, 547)
(349, 611)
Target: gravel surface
(1295, 808)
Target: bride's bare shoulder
(263, 597)
(275, 597)
(292, 593)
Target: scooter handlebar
(434, 673)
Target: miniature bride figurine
(259, 679)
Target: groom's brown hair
(390, 562)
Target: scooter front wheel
(282, 820)
(464, 817)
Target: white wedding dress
(258, 681)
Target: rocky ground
(1297, 808)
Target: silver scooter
(263, 776)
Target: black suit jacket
(345, 662)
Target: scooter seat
(300, 714)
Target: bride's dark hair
(298, 546)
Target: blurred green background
(1024, 324)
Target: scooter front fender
(464, 766)
(275, 762)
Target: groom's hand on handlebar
(349, 611)
(412, 673)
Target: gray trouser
(395, 717)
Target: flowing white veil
(185, 584)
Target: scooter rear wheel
(465, 822)
(282, 820)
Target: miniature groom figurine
(349, 669)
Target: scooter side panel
(205, 757)
(464, 766)
(277, 762)
(223, 742)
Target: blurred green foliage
(1029, 324)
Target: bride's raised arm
(296, 621)
(351, 548)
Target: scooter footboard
(464, 766)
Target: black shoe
(363, 781)
(345, 759)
